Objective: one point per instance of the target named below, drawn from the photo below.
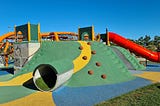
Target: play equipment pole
(107, 42)
(29, 31)
(92, 33)
(39, 37)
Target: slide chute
(133, 47)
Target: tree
(140, 41)
(147, 40)
(156, 40)
(144, 41)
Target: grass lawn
(146, 96)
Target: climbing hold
(93, 52)
(103, 76)
(81, 47)
(98, 64)
(84, 57)
(89, 43)
(90, 72)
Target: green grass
(146, 96)
(41, 84)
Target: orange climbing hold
(84, 57)
(103, 76)
(98, 64)
(90, 72)
(81, 47)
(89, 43)
(93, 52)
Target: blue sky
(129, 18)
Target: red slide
(137, 49)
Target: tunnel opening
(45, 77)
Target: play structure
(56, 67)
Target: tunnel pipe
(133, 47)
(46, 78)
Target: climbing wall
(104, 67)
(98, 71)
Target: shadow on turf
(9, 70)
(158, 87)
(30, 84)
(152, 65)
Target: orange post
(6, 60)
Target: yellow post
(29, 31)
(56, 37)
(39, 32)
(6, 60)
(108, 42)
(92, 33)
(6, 47)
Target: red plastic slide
(137, 49)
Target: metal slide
(133, 47)
(123, 58)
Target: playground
(70, 69)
